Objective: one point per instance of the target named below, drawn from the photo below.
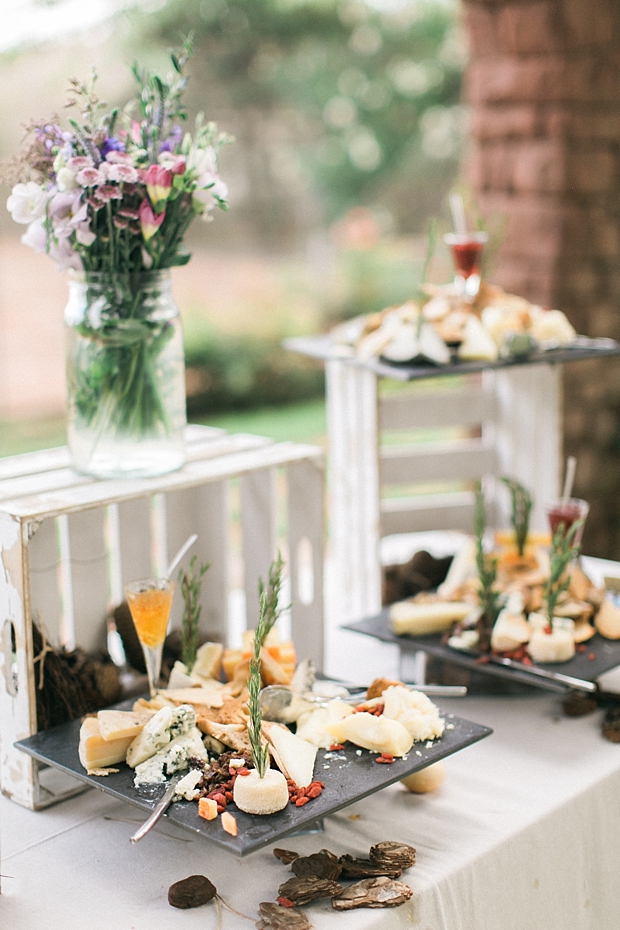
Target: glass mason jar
(125, 375)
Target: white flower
(35, 236)
(65, 256)
(65, 179)
(201, 161)
(213, 184)
(84, 234)
(27, 202)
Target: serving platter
(325, 348)
(348, 775)
(580, 672)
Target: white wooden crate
(517, 413)
(68, 544)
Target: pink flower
(107, 192)
(79, 162)
(174, 163)
(136, 132)
(119, 172)
(89, 177)
(149, 221)
(158, 182)
(119, 158)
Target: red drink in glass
(568, 512)
(467, 256)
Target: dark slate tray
(605, 652)
(348, 777)
(325, 349)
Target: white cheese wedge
(97, 753)
(558, 646)
(294, 756)
(509, 631)
(209, 694)
(208, 661)
(117, 724)
(418, 619)
(312, 725)
(179, 678)
(477, 343)
(379, 734)
(186, 787)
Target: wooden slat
(66, 479)
(90, 589)
(306, 523)
(102, 493)
(418, 410)
(432, 512)
(259, 531)
(43, 559)
(206, 511)
(462, 460)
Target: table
(523, 834)
(512, 409)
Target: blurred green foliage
(228, 372)
(334, 103)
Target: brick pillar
(544, 87)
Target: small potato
(426, 779)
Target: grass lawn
(303, 422)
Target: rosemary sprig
(271, 595)
(486, 566)
(191, 584)
(259, 749)
(563, 551)
(522, 501)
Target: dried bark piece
(273, 917)
(396, 855)
(366, 868)
(323, 864)
(191, 892)
(309, 888)
(611, 724)
(372, 892)
(286, 855)
(578, 704)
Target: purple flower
(112, 144)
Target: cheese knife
(159, 810)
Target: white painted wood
(354, 486)
(259, 532)
(460, 460)
(465, 403)
(306, 520)
(84, 539)
(428, 512)
(529, 434)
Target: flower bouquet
(110, 199)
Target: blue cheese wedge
(173, 758)
(167, 724)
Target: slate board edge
(239, 845)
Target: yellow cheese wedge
(208, 694)
(410, 618)
(117, 724)
(208, 661)
(95, 752)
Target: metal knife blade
(158, 811)
(578, 684)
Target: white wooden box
(68, 543)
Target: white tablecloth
(523, 835)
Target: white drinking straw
(458, 214)
(186, 545)
(571, 464)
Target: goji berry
(314, 791)
(335, 747)
(301, 801)
(284, 902)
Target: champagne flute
(150, 600)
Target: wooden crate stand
(68, 543)
(517, 412)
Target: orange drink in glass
(150, 600)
